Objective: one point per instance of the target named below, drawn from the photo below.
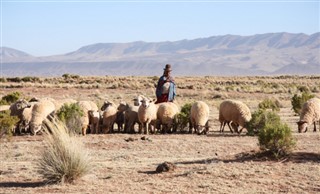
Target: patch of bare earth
(203, 164)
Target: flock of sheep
(150, 117)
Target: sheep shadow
(225, 134)
(22, 184)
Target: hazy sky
(46, 27)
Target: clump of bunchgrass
(64, 158)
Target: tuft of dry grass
(64, 158)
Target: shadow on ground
(22, 184)
(296, 157)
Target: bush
(272, 104)
(70, 116)
(7, 123)
(10, 98)
(184, 116)
(30, 79)
(64, 158)
(260, 119)
(277, 139)
(298, 100)
(14, 79)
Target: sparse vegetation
(260, 119)
(276, 138)
(184, 116)
(7, 123)
(298, 100)
(272, 104)
(10, 98)
(64, 158)
(70, 116)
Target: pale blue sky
(45, 27)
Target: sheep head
(302, 126)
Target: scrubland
(213, 163)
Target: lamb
(199, 117)
(120, 117)
(310, 113)
(86, 106)
(147, 114)
(236, 112)
(40, 112)
(94, 120)
(166, 115)
(131, 115)
(108, 116)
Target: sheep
(147, 114)
(86, 106)
(94, 120)
(310, 113)
(166, 115)
(40, 112)
(235, 112)
(26, 117)
(199, 117)
(17, 109)
(120, 117)
(108, 116)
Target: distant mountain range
(261, 54)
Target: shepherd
(166, 87)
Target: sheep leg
(146, 131)
(315, 128)
(221, 123)
(83, 130)
(229, 127)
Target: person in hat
(166, 87)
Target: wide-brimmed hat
(168, 67)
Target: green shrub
(298, 100)
(64, 157)
(7, 123)
(277, 139)
(70, 116)
(10, 98)
(30, 79)
(272, 104)
(14, 79)
(260, 119)
(184, 116)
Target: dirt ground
(213, 163)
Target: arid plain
(212, 163)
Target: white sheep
(235, 112)
(40, 112)
(310, 113)
(86, 106)
(131, 115)
(166, 114)
(17, 109)
(109, 116)
(199, 117)
(147, 114)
